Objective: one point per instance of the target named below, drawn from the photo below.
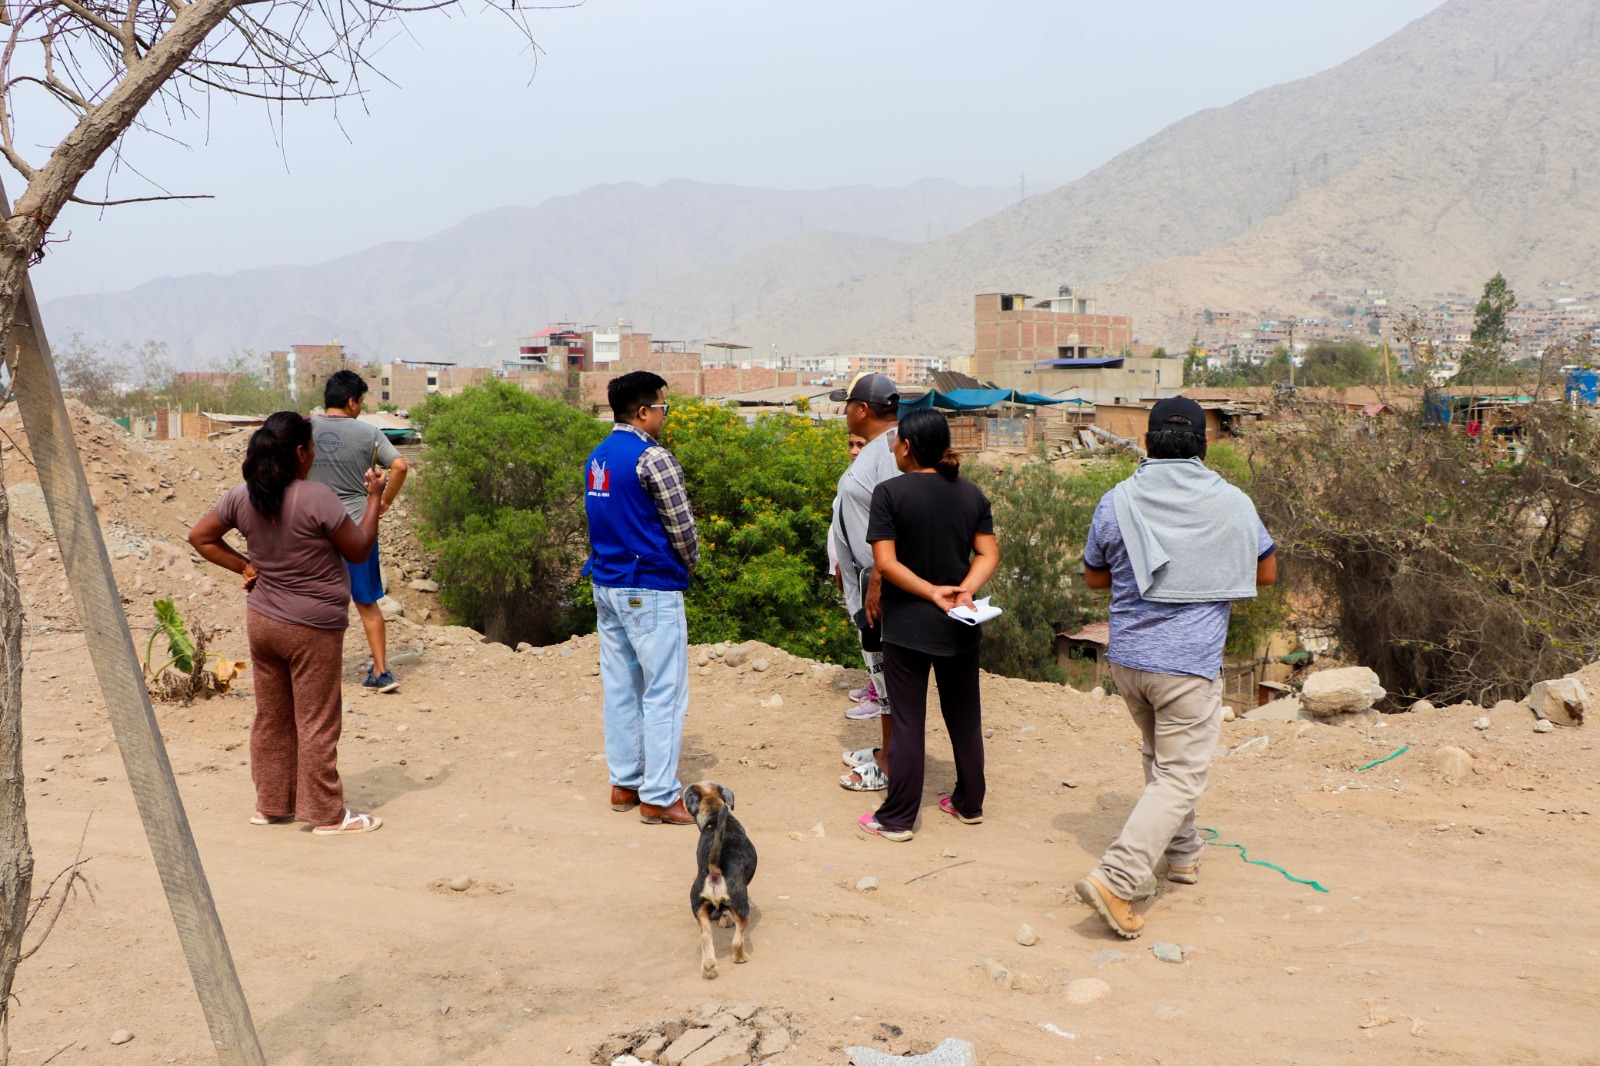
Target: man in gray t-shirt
(346, 448)
(871, 410)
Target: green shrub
(1041, 515)
(501, 501)
(762, 497)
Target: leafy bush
(1041, 514)
(762, 497)
(501, 501)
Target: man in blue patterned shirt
(1176, 545)
(642, 548)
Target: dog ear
(691, 800)
(727, 795)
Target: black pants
(905, 670)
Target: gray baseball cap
(869, 388)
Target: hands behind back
(948, 597)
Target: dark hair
(1176, 443)
(270, 460)
(633, 391)
(883, 412)
(927, 433)
(341, 387)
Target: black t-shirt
(932, 522)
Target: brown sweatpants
(294, 740)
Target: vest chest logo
(599, 478)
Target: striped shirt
(661, 475)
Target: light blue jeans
(644, 667)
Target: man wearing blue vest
(642, 546)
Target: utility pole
(1291, 355)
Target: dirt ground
(1458, 923)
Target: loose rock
(121, 1036)
(732, 1048)
(460, 884)
(424, 585)
(1421, 707)
(1543, 725)
(1086, 990)
(866, 884)
(949, 1052)
(1563, 701)
(1482, 723)
(1026, 936)
(1453, 763)
(1342, 691)
(1166, 951)
(759, 665)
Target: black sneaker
(383, 682)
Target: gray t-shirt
(875, 464)
(345, 451)
(1161, 638)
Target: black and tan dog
(727, 865)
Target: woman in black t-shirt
(932, 537)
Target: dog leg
(708, 953)
(739, 920)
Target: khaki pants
(1179, 716)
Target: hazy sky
(777, 93)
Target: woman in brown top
(298, 593)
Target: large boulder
(1563, 701)
(1348, 690)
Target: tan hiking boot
(1117, 911)
(1183, 875)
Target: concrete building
(911, 370)
(1063, 344)
(304, 367)
(409, 382)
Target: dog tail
(720, 822)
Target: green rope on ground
(1212, 840)
(1379, 762)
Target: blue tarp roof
(978, 399)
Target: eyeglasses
(665, 407)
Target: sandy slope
(1461, 911)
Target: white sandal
(872, 778)
(353, 823)
(859, 757)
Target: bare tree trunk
(16, 855)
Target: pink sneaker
(864, 710)
(867, 692)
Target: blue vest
(628, 546)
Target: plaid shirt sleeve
(662, 477)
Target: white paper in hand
(980, 612)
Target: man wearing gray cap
(871, 410)
(1176, 545)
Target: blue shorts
(366, 580)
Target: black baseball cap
(868, 388)
(1179, 413)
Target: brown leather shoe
(1117, 911)
(677, 814)
(624, 799)
(1183, 875)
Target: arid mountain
(1505, 181)
(470, 290)
(1439, 124)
